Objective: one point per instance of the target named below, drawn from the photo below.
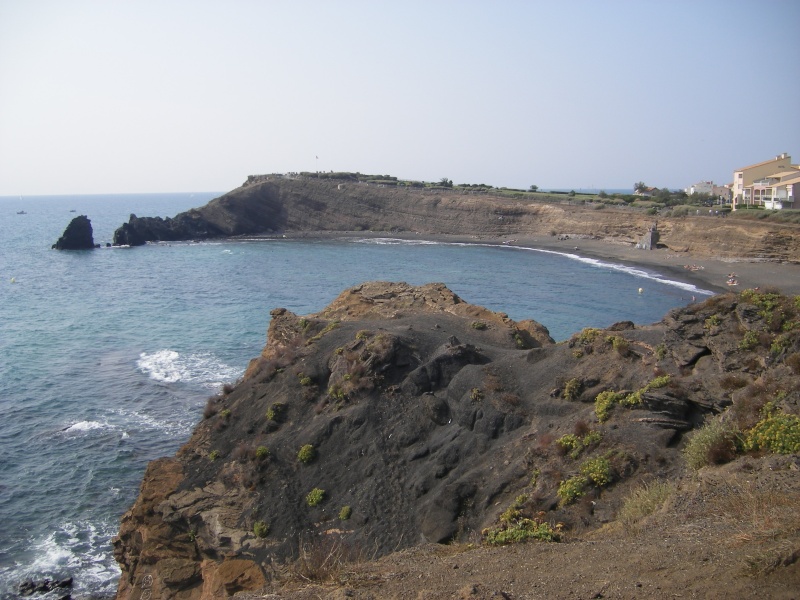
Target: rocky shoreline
(402, 416)
(697, 249)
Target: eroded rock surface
(428, 418)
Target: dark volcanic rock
(427, 428)
(77, 235)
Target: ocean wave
(80, 549)
(401, 242)
(633, 271)
(593, 262)
(169, 366)
(82, 426)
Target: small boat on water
(21, 212)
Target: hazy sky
(160, 96)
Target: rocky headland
(278, 204)
(403, 443)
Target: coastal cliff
(269, 205)
(403, 415)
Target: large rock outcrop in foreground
(276, 204)
(423, 419)
(77, 236)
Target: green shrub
(276, 411)
(575, 444)
(712, 321)
(572, 489)
(225, 413)
(588, 335)
(213, 455)
(345, 513)
(306, 454)
(620, 345)
(714, 443)
(749, 341)
(572, 389)
(261, 529)
(315, 496)
(475, 395)
(479, 325)
(598, 470)
(521, 530)
(262, 452)
(661, 351)
(778, 433)
(603, 403)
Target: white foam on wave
(399, 242)
(80, 549)
(85, 426)
(169, 366)
(633, 271)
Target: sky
(178, 96)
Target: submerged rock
(77, 235)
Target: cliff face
(402, 414)
(281, 204)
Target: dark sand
(710, 274)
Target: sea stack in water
(77, 235)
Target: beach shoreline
(711, 274)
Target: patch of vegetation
(306, 454)
(479, 325)
(661, 351)
(315, 497)
(712, 321)
(261, 529)
(777, 432)
(620, 345)
(344, 513)
(714, 443)
(515, 528)
(603, 403)
(594, 471)
(781, 344)
(213, 455)
(588, 335)
(749, 341)
(475, 395)
(304, 379)
(225, 413)
(276, 411)
(644, 501)
(327, 329)
(598, 470)
(572, 489)
(262, 452)
(572, 389)
(575, 445)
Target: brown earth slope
(278, 204)
(403, 416)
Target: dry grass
(643, 502)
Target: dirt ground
(725, 532)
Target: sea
(107, 356)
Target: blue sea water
(108, 356)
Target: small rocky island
(403, 417)
(77, 236)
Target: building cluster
(773, 184)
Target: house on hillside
(772, 184)
(646, 191)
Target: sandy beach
(705, 273)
